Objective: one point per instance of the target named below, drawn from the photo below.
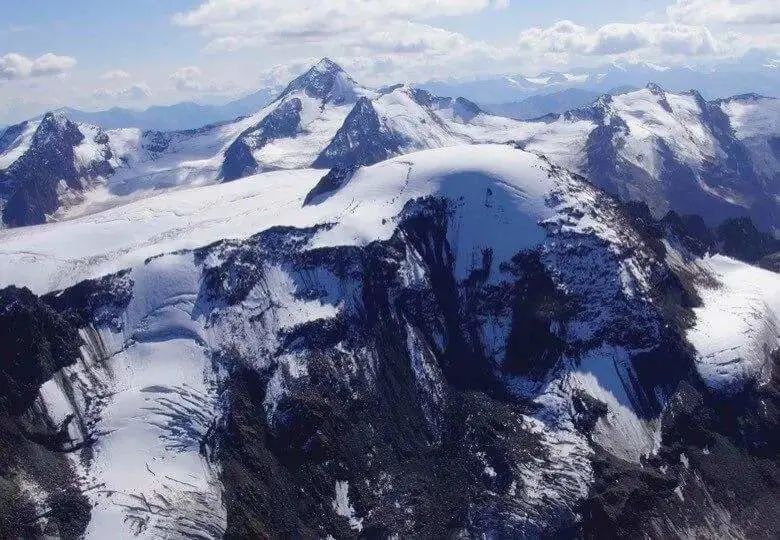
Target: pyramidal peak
(327, 81)
(326, 65)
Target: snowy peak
(326, 65)
(49, 164)
(655, 88)
(328, 82)
(398, 121)
(56, 128)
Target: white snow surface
(738, 326)
(319, 124)
(673, 118)
(148, 394)
(344, 508)
(501, 190)
(756, 121)
(604, 374)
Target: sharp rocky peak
(56, 126)
(326, 65)
(327, 81)
(655, 88)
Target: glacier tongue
(149, 393)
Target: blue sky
(96, 54)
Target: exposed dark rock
(283, 121)
(329, 183)
(623, 496)
(361, 140)
(739, 238)
(97, 302)
(465, 110)
(239, 161)
(770, 262)
(587, 411)
(37, 341)
(691, 231)
(533, 349)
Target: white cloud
(383, 41)
(568, 39)
(394, 35)
(115, 75)
(725, 11)
(134, 92)
(18, 66)
(190, 79)
(233, 24)
(187, 79)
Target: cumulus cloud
(190, 79)
(400, 39)
(134, 92)
(567, 38)
(384, 32)
(234, 24)
(725, 11)
(115, 75)
(18, 66)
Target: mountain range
(672, 151)
(359, 312)
(753, 73)
(179, 116)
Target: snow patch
(344, 508)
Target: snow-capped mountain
(298, 124)
(674, 152)
(467, 340)
(671, 151)
(48, 162)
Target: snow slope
(17, 143)
(738, 327)
(494, 177)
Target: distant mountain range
(754, 75)
(521, 97)
(186, 115)
(542, 104)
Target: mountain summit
(326, 80)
